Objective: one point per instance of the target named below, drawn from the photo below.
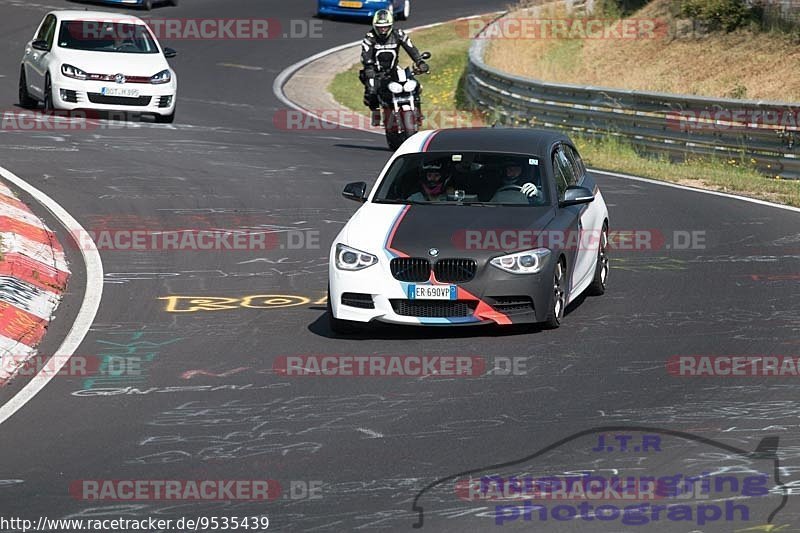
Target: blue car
(144, 4)
(362, 8)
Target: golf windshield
(100, 36)
(464, 178)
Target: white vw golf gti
(100, 61)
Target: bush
(724, 15)
(620, 8)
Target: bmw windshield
(464, 178)
(98, 36)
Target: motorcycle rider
(380, 52)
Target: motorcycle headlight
(162, 77)
(395, 87)
(73, 72)
(410, 86)
(527, 262)
(348, 258)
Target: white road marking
(372, 434)
(236, 65)
(86, 314)
(693, 189)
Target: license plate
(432, 292)
(354, 5)
(120, 91)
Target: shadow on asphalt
(380, 331)
(363, 147)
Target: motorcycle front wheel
(395, 136)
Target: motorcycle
(399, 98)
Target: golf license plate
(432, 292)
(120, 91)
(348, 3)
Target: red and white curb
(33, 277)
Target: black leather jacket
(377, 56)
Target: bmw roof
(511, 140)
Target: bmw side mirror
(169, 53)
(355, 191)
(40, 45)
(576, 195)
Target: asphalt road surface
(364, 446)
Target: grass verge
(443, 99)
(673, 58)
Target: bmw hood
(453, 231)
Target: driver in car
(432, 184)
(513, 183)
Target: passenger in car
(433, 184)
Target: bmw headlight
(162, 77)
(527, 262)
(410, 86)
(348, 258)
(73, 72)
(395, 87)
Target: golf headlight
(410, 86)
(351, 259)
(395, 87)
(162, 77)
(527, 262)
(73, 72)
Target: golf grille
(97, 98)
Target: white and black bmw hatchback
(470, 226)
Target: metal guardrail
(660, 123)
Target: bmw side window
(558, 173)
(566, 166)
(576, 163)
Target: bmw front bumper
(493, 296)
